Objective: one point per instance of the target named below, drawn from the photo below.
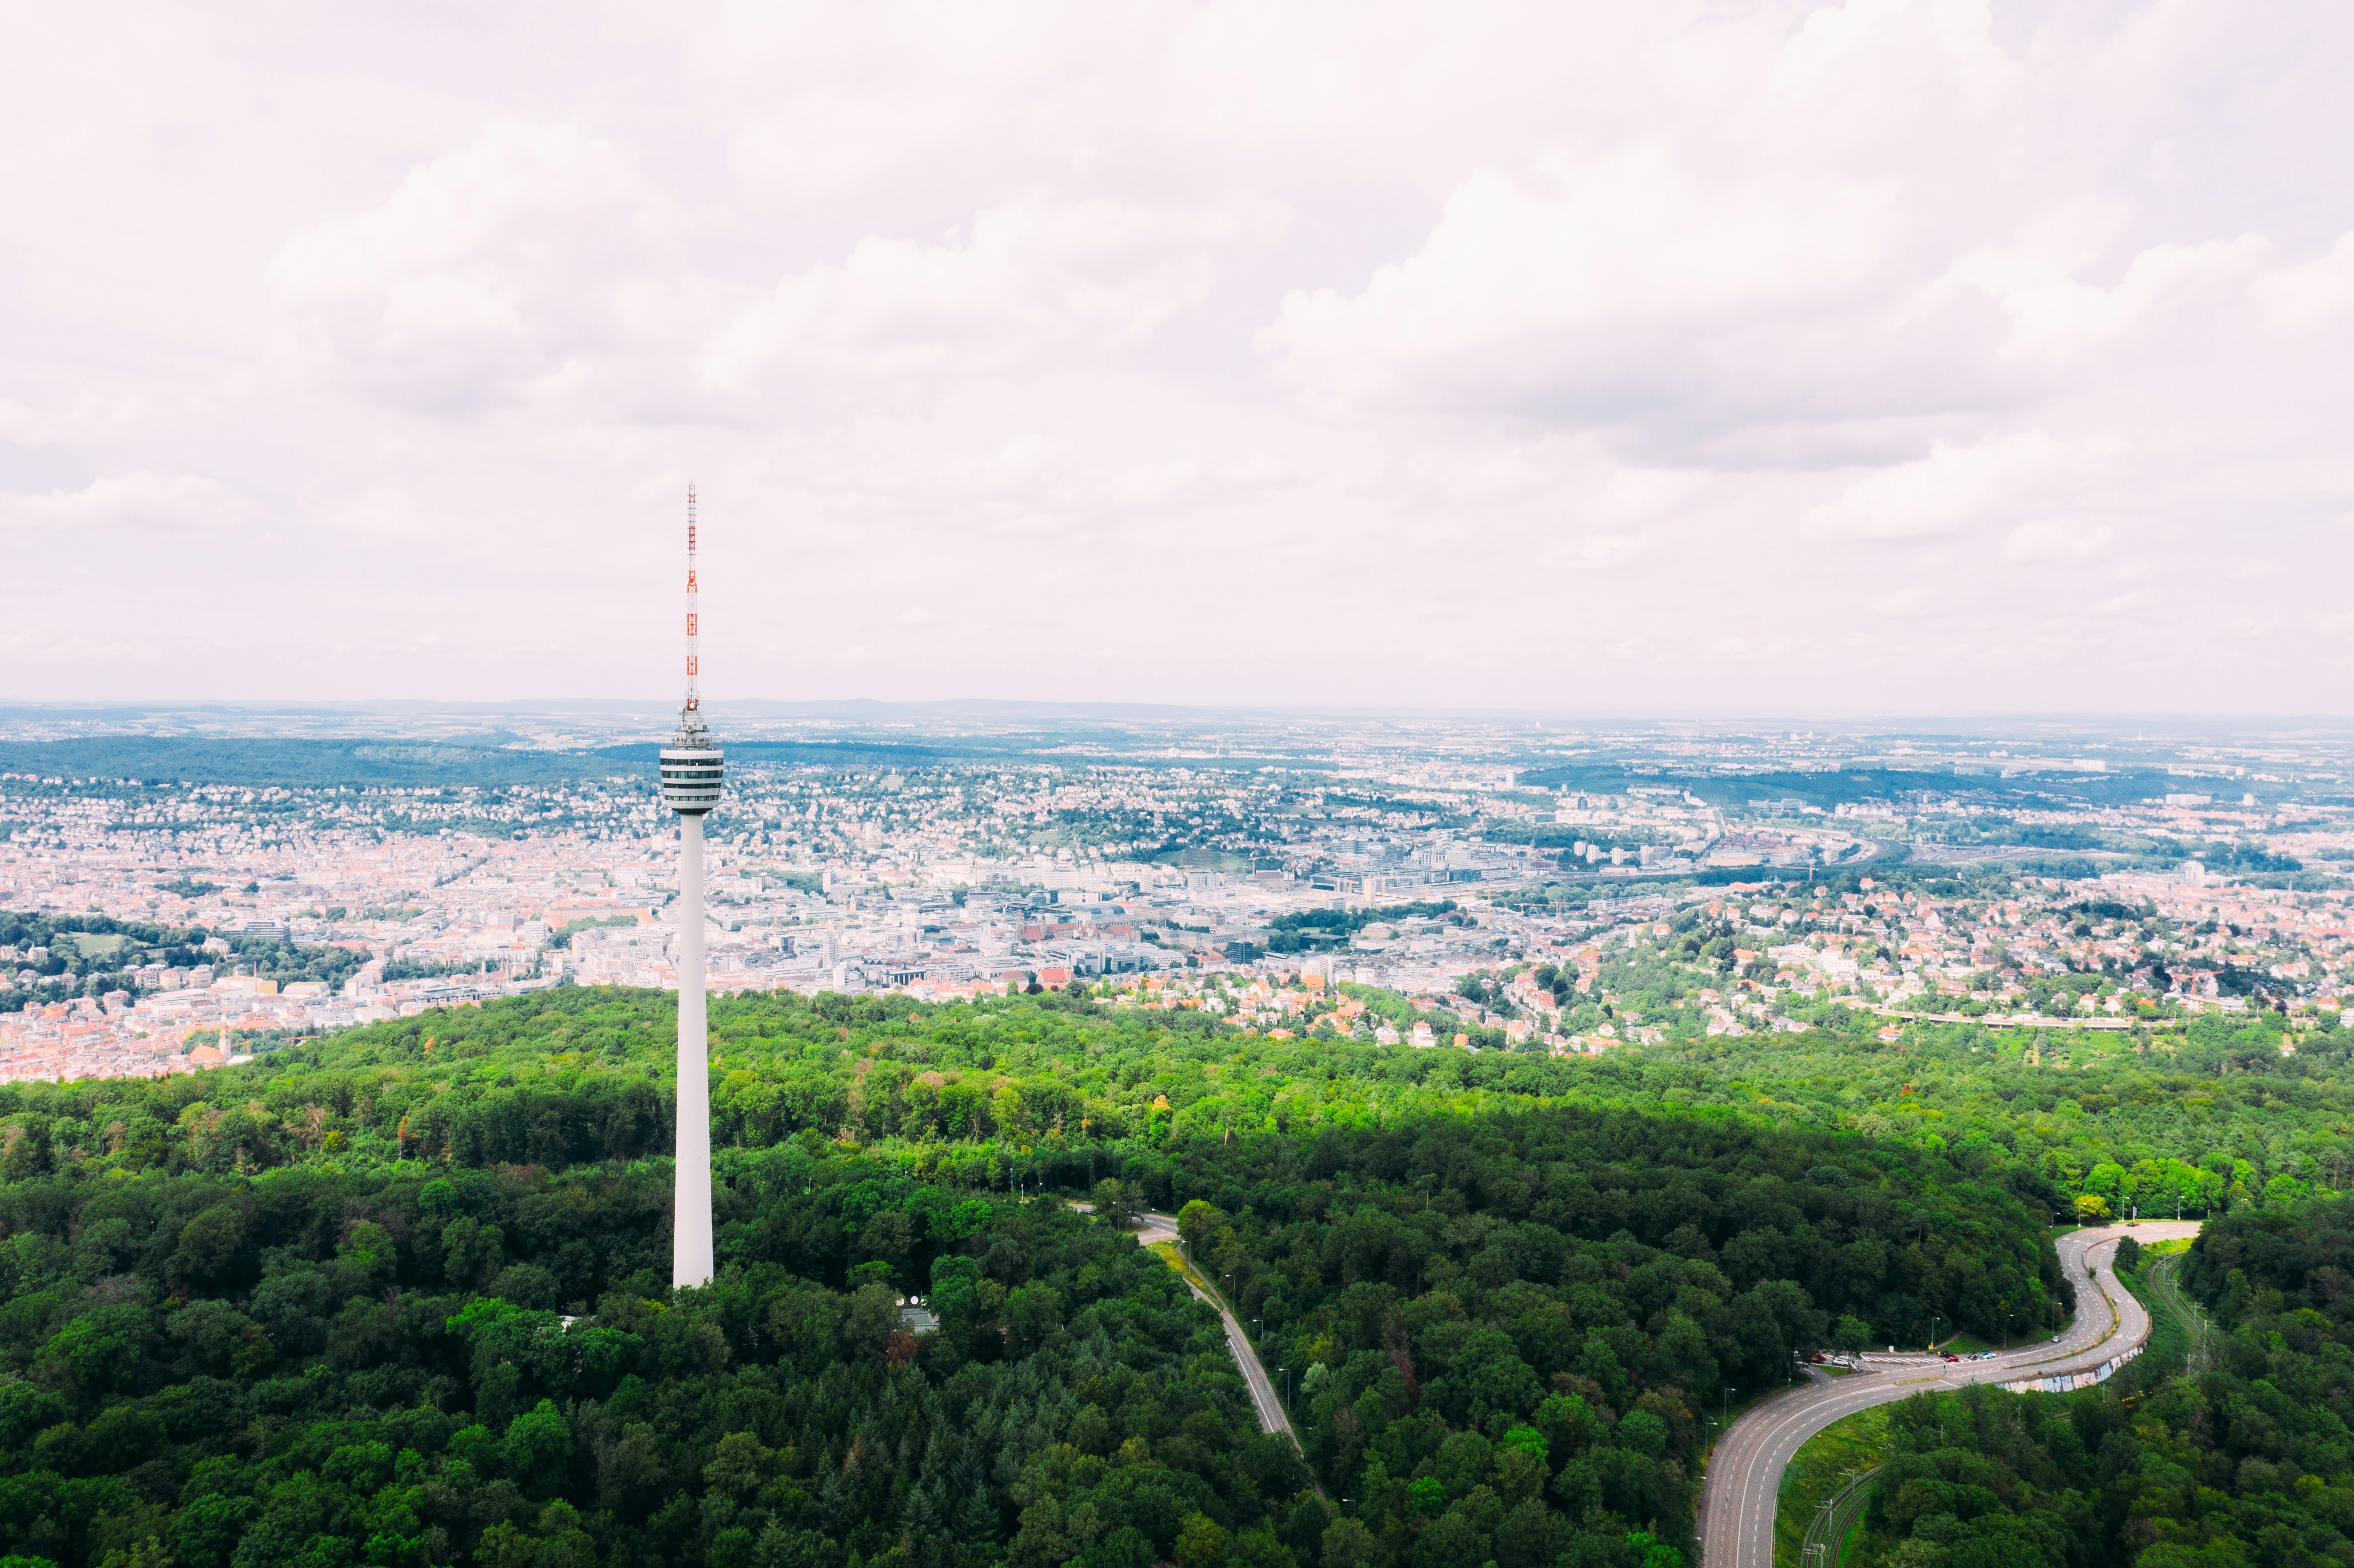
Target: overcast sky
(1655, 358)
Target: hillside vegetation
(2244, 1458)
(398, 1297)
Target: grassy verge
(1820, 1470)
(2173, 1329)
(1173, 1256)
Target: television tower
(690, 769)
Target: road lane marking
(1740, 1453)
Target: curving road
(1744, 1473)
(1272, 1416)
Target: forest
(1508, 1326)
(398, 1297)
(322, 1367)
(1063, 1090)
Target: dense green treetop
(1067, 1088)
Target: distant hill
(153, 759)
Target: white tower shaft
(692, 769)
(691, 1259)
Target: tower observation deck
(691, 767)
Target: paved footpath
(1744, 1473)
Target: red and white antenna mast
(693, 618)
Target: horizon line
(817, 707)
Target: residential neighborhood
(193, 924)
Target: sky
(1659, 358)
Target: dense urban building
(1563, 898)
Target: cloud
(487, 272)
(1605, 550)
(1950, 490)
(1597, 284)
(138, 502)
(1580, 328)
(1024, 282)
(1863, 38)
(2055, 539)
(31, 467)
(2306, 294)
(2054, 312)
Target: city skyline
(1805, 359)
(163, 926)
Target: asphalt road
(1154, 1228)
(1744, 1473)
